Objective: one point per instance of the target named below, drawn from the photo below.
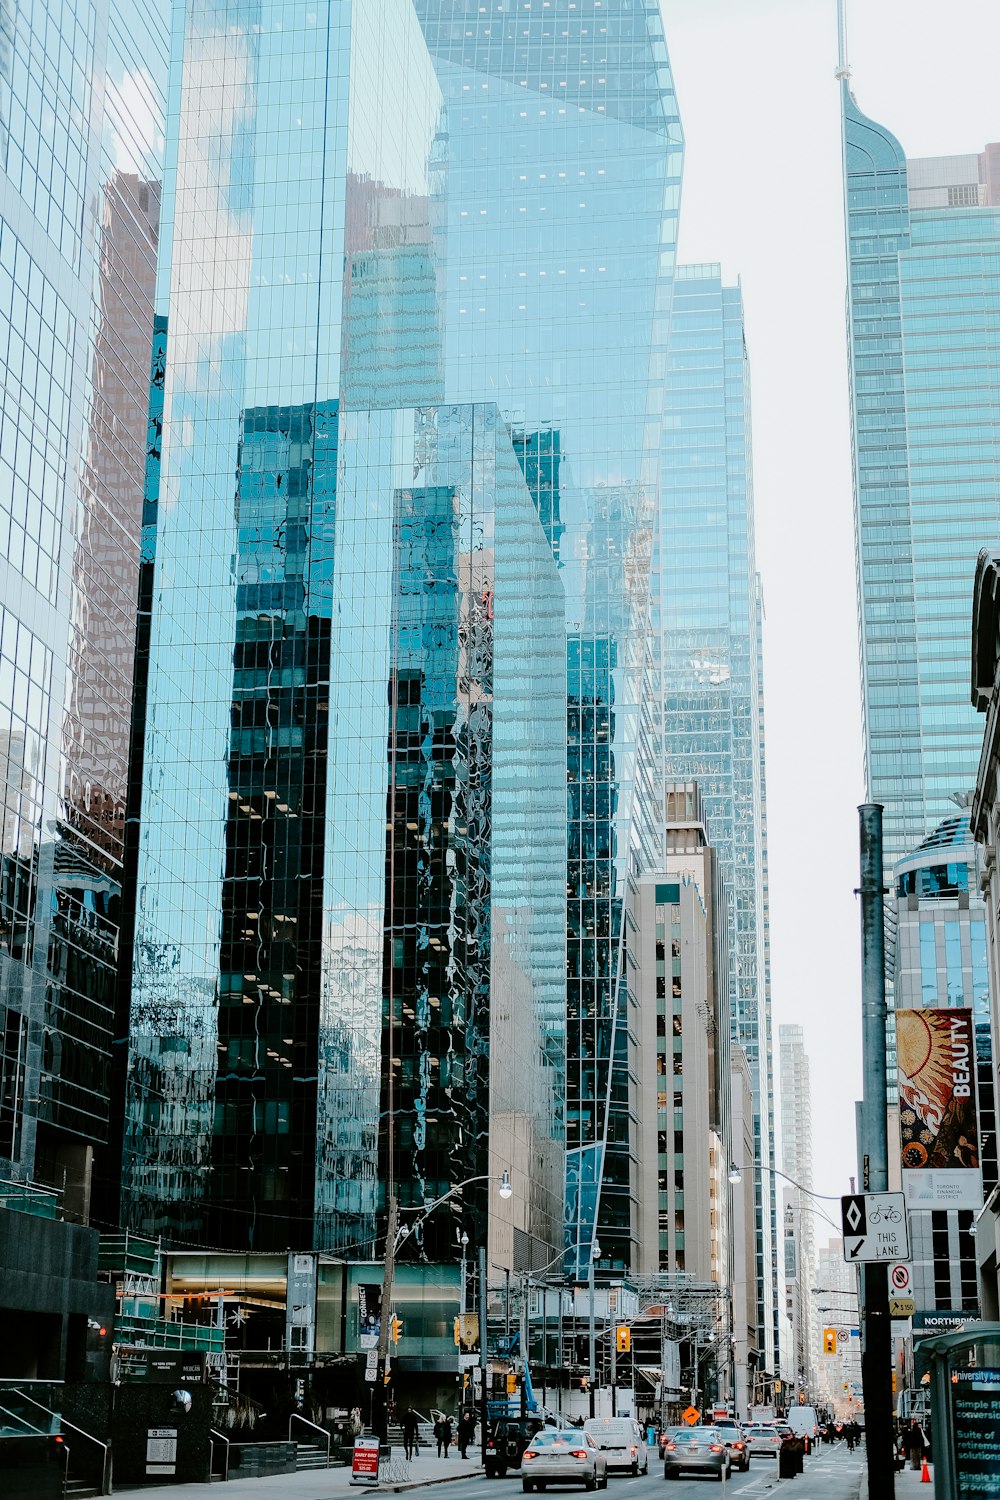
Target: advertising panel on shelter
(369, 1314)
(938, 1131)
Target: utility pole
(593, 1369)
(483, 1412)
(876, 1348)
(380, 1415)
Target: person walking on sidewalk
(915, 1443)
(411, 1433)
(466, 1430)
(443, 1433)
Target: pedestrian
(447, 1434)
(915, 1443)
(411, 1433)
(466, 1430)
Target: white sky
(762, 194)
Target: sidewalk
(328, 1484)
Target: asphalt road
(829, 1474)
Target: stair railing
(87, 1436)
(217, 1437)
(296, 1417)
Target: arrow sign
(875, 1227)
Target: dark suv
(506, 1441)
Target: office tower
(800, 1228)
(924, 331)
(707, 613)
(81, 153)
(941, 964)
(402, 314)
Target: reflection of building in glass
(75, 382)
(435, 228)
(335, 1047)
(706, 604)
(940, 962)
(550, 311)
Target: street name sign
(875, 1227)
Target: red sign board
(364, 1464)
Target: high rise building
(940, 964)
(924, 333)
(81, 139)
(800, 1228)
(682, 1056)
(397, 305)
(707, 615)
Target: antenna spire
(843, 67)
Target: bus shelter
(965, 1411)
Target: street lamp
(504, 1187)
(464, 1242)
(736, 1175)
(595, 1255)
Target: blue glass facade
(419, 261)
(707, 610)
(924, 305)
(82, 90)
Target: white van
(622, 1442)
(803, 1422)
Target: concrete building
(747, 1359)
(799, 1209)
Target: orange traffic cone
(925, 1473)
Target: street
(829, 1474)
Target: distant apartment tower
(924, 343)
(799, 1213)
(678, 968)
(81, 156)
(706, 607)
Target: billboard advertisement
(369, 1314)
(938, 1131)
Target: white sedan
(762, 1439)
(563, 1456)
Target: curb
(420, 1484)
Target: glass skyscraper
(924, 330)
(707, 610)
(82, 92)
(413, 306)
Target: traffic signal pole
(873, 1149)
(380, 1414)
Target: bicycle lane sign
(875, 1227)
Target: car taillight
(530, 1453)
(715, 1447)
(670, 1447)
(633, 1449)
(578, 1453)
(739, 1445)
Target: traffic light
(585, 1382)
(829, 1340)
(396, 1328)
(511, 1383)
(623, 1338)
(458, 1330)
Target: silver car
(762, 1438)
(563, 1456)
(696, 1450)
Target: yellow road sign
(691, 1416)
